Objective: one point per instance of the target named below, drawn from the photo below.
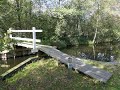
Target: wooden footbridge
(77, 63)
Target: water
(9, 63)
(107, 53)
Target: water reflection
(108, 53)
(4, 63)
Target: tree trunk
(96, 30)
(18, 8)
(95, 35)
(94, 52)
(78, 25)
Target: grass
(47, 74)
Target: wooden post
(34, 41)
(70, 63)
(70, 66)
(34, 38)
(9, 31)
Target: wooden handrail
(34, 40)
(25, 30)
(24, 39)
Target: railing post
(34, 38)
(10, 32)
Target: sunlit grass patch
(33, 68)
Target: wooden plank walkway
(16, 68)
(77, 63)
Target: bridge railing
(34, 40)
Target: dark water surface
(106, 53)
(9, 63)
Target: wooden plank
(16, 68)
(87, 69)
(25, 30)
(24, 45)
(90, 70)
(94, 69)
(99, 72)
(25, 39)
(91, 74)
(81, 66)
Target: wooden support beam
(15, 69)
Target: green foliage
(67, 23)
(6, 43)
(55, 41)
(1, 44)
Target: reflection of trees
(83, 55)
(106, 54)
(101, 56)
(93, 51)
(115, 53)
(100, 53)
(4, 63)
(4, 58)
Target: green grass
(48, 75)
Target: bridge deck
(77, 63)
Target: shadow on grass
(48, 75)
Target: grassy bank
(48, 75)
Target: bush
(6, 43)
(83, 40)
(74, 41)
(1, 44)
(55, 41)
